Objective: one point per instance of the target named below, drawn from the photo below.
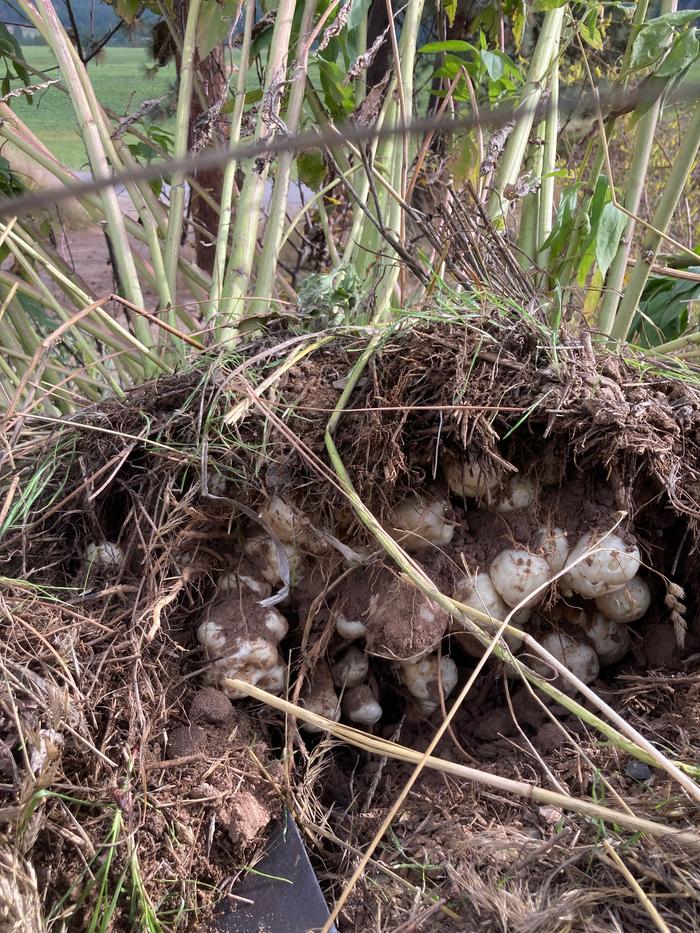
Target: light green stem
(274, 226)
(240, 265)
(176, 214)
(677, 180)
(226, 212)
(514, 152)
(549, 164)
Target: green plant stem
(249, 212)
(530, 209)
(176, 213)
(634, 189)
(677, 180)
(274, 226)
(511, 161)
(549, 164)
(361, 80)
(226, 211)
(54, 34)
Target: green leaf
(683, 53)
(311, 169)
(494, 64)
(681, 18)
(357, 12)
(450, 8)
(544, 6)
(650, 44)
(128, 9)
(589, 30)
(563, 222)
(611, 226)
(36, 312)
(449, 45)
(214, 24)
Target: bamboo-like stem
(511, 161)
(240, 264)
(634, 189)
(176, 214)
(274, 226)
(50, 27)
(530, 210)
(385, 748)
(549, 164)
(361, 80)
(677, 180)
(226, 207)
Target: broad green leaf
(611, 226)
(683, 53)
(128, 9)
(544, 6)
(563, 222)
(214, 24)
(450, 8)
(493, 63)
(449, 45)
(357, 11)
(681, 18)
(650, 44)
(589, 30)
(311, 169)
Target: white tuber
(360, 706)
(520, 492)
(349, 629)
(467, 480)
(478, 592)
(517, 574)
(262, 554)
(610, 640)
(421, 681)
(240, 639)
(579, 657)
(105, 555)
(291, 526)
(627, 604)
(351, 668)
(231, 582)
(611, 564)
(424, 516)
(554, 545)
(320, 698)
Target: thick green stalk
(361, 81)
(54, 34)
(677, 180)
(274, 226)
(226, 212)
(632, 199)
(549, 164)
(249, 212)
(176, 214)
(511, 161)
(528, 231)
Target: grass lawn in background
(120, 82)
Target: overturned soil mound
(162, 553)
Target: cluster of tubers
(579, 592)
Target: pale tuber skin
(610, 639)
(360, 706)
(478, 592)
(231, 583)
(420, 522)
(627, 604)
(421, 680)
(240, 640)
(349, 629)
(320, 698)
(351, 668)
(553, 543)
(106, 555)
(291, 526)
(520, 493)
(262, 555)
(517, 574)
(468, 480)
(580, 658)
(611, 565)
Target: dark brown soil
(103, 684)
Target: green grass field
(120, 82)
